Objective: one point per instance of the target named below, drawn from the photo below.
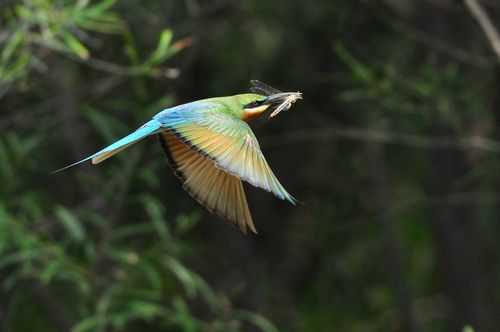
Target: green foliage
(78, 266)
(393, 153)
(110, 280)
(69, 28)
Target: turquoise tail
(149, 128)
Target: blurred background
(394, 153)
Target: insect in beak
(282, 101)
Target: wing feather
(220, 192)
(229, 142)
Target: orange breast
(253, 113)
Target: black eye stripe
(254, 104)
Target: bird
(212, 149)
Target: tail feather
(103, 155)
(150, 128)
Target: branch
(444, 47)
(484, 21)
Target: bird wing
(218, 191)
(228, 141)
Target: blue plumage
(150, 128)
(212, 149)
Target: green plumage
(212, 149)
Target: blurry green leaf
(207, 293)
(150, 177)
(12, 45)
(104, 123)
(146, 310)
(50, 270)
(100, 8)
(87, 324)
(71, 223)
(130, 48)
(152, 274)
(106, 23)
(105, 301)
(155, 211)
(49, 43)
(4, 228)
(183, 317)
(359, 70)
(124, 256)
(23, 12)
(162, 50)
(16, 69)
(468, 328)
(125, 232)
(81, 4)
(18, 257)
(185, 276)
(257, 320)
(75, 46)
(21, 146)
(185, 223)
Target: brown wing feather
(218, 191)
(235, 150)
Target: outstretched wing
(220, 192)
(227, 141)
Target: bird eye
(253, 104)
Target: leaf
(52, 269)
(162, 51)
(71, 223)
(128, 231)
(184, 223)
(100, 8)
(75, 46)
(186, 277)
(106, 23)
(184, 317)
(12, 45)
(152, 275)
(262, 323)
(146, 310)
(359, 70)
(155, 211)
(105, 124)
(19, 257)
(23, 12)
(18, 68)
(87, 324)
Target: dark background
(393, 152)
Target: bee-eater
(211, 148)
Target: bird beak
(281, 101)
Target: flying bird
(212, 149)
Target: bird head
(269, 99)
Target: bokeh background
(394, 154)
